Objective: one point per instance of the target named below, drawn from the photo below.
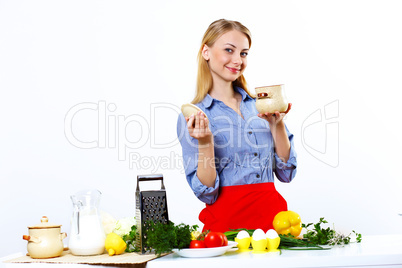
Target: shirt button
(255, 154)
(258, 175)
(250, 132)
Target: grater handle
(151, 177)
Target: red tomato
(225, 239)
(214, 239)
(197, 244)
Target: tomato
(197, 244)
(225, 240)
(215, 239)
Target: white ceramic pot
(45, 240)
(271, 99)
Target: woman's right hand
(198, 127)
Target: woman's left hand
(274, 118)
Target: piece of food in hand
(258, 240)
(273, 240)
(189, 109)
(243, 240)
(215, 239)
(287, 222)
(197, 244)
(114, 244)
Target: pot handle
(31, 238)
(63, 235)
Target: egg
(258, 235)
(242, 234)
(273, 240)
(271, 234)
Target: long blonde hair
(204, 77)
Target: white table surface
(373, 251)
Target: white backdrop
(91, 90)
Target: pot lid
(44, 224)
(188, 109)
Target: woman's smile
(233, 70)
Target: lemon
(114, 244)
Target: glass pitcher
(87, 234)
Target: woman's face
(227, 57)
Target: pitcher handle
(77, 213)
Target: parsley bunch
(130, 240)
(165, 237)
(327, 236)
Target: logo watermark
(113, 132)
(323, 121)
(113, 128)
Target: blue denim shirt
(244, 148)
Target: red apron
(249, 206)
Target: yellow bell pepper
(287, 222)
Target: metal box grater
(150, 205)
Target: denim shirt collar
(208, 100)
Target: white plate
(204, 252)
(188, 109)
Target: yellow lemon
(114, 244)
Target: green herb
(358, 236)
(165, 237)
(231, 235)
(327, 236)
(203, 235)
(290, 242)
(130, 239)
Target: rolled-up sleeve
(189, 146)
(285, 172)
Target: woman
(231, 155)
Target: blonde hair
(204, 77)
